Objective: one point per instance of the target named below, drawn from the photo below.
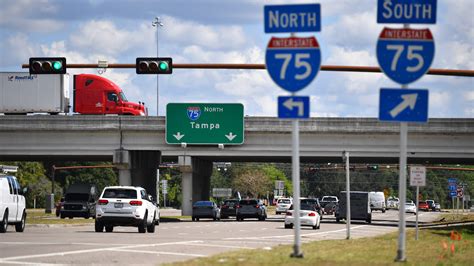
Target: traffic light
(47, 65)
(154, 65)
(372, 167)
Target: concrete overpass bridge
(137, 144)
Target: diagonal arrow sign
(230, 136)
(178, 136)
(409, 100)
(290, 104)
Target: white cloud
(469, 95)
(353, 30)
(17, 14)
(346, 56)
(210, 37)
(105, 37)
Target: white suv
(126, 206)
(283, 204)
(12, 202)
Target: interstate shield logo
(194, 113)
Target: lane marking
(219, 246)
(285, 236)
(158, 252)
(7, 259)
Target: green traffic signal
(163, 65)
(47, 65)
(57, 65)
(154, 65)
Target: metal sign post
(293, 63)
(404, 55)
(345, 156)
(417, 178)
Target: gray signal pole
(157, 23)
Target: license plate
(231, 208)
(118, 205)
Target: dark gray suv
(251, 208)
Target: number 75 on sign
(405, 55)
(293, 62)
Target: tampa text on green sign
(205, 123)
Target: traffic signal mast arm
(442, 72)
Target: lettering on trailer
(292, 18)
(406, 11)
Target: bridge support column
(186, 185)
(125, 177)
(143, 169)
(138, 168)
(195, 183)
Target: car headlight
(84, 207)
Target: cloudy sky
(231, 31)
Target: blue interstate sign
(293, 107)
(292, 18)
(403, 105)
(405, 55)
(293, 62)
(406, 11)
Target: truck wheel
(151, 228)
(20, 227)
(142, 225)
(109, 228)
(63, 216)
(99, 227)
(4, 222)
(338, 219)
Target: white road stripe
(285, 236)
(218, 246)
(158, 252)
(90, 250)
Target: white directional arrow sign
(290, 104)
(230, 136)
(293, 106)
(178, 136)
(409, 100)
(404, 105)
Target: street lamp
(157, 23)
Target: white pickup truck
(12, 202)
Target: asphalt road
(173, 241)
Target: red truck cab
(97, 95)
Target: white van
(12, 202)
(377, 201)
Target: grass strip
(435, 246)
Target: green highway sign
(205, 123)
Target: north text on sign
(291, 20)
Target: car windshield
(248, 202)
(309, 201)
(120, 193)
(329, 199)
(409, 204)
(307, 207)
(203, 203)
(77, 196)
(230, 203)
(286, 201)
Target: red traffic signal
(47, 65)
(154, 65)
